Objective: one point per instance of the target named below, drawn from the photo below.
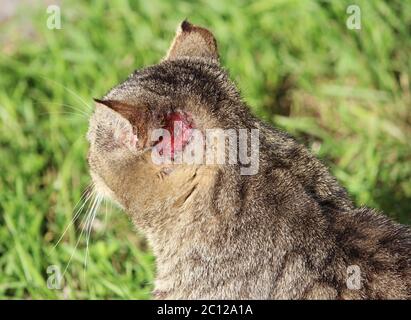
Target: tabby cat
(286, 231)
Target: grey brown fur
(289, 232)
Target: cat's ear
(192, 41)
(126, 111)
(137, 118)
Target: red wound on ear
(179, 125)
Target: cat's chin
(103, 190)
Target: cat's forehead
(167, 80)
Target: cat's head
(188, 89)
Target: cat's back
(378, 250)
(352, 240)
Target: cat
(289, 231)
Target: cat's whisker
(64, 113)
(85, 197)
(70, 91)
(76, 109)
(89, 224)
(81, 234)
(86, 224)
(79, 110)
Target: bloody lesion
(179, 125)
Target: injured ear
(192, 41)
(139, 119)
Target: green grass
(344, 93)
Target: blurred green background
(344, 93)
